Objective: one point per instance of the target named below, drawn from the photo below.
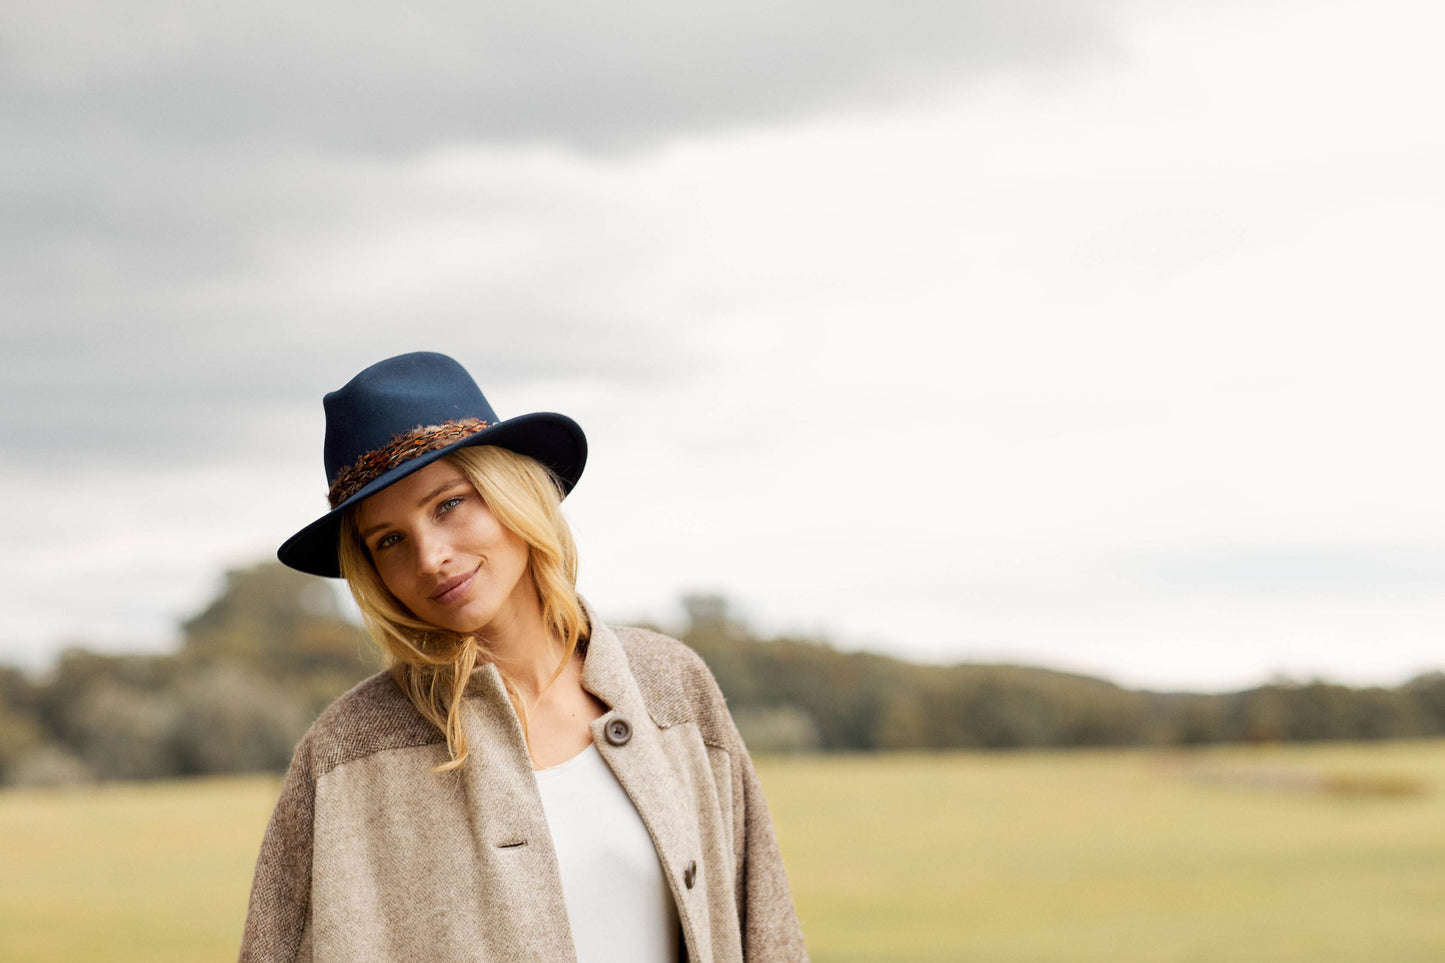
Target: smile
(453, 590)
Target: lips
(453, 590)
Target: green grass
(1321, 853)
(1120, 856)
(153, 872)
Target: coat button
(689, 875)
(619, 731)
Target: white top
(618, 902)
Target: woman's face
(442, 553)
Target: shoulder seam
(677, 685)
(373, 716)
(332, 760)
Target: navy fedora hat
(402, 414)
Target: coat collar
(605, 670)
(606, 674)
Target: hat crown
(393, 397)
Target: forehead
(410, 494)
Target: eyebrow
(443, 487)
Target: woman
(524, 783)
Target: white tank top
(618, 902)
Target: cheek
(520, 555)
(389, 570)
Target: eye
(386, 541)
(449, 504)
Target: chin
(462, 622)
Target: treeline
(256, 666)
(274, 649)
(801, 694)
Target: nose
(433, 552)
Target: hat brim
(552, 439)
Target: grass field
(1331, 853)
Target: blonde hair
(433, 666)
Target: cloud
(168, 308)
(372, 76)
(1291, 573)
(173, 172)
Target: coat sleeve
(278, 918)
(771, 930)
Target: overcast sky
(1100, 335)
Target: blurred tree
(1427, 694)
(229, 719)
(122, 732)
(905, 723)
(79, 674)
(711, 614)
(779, 729)
(1257, 715)
(20, 729)
(285, 626)
(20, 737)
(17, 693)
(1191, 720)
(276, 620)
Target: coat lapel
(660, 790)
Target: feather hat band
(402, 414)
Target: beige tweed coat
(369, 856)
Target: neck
(520, 644)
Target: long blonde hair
(433, 666)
